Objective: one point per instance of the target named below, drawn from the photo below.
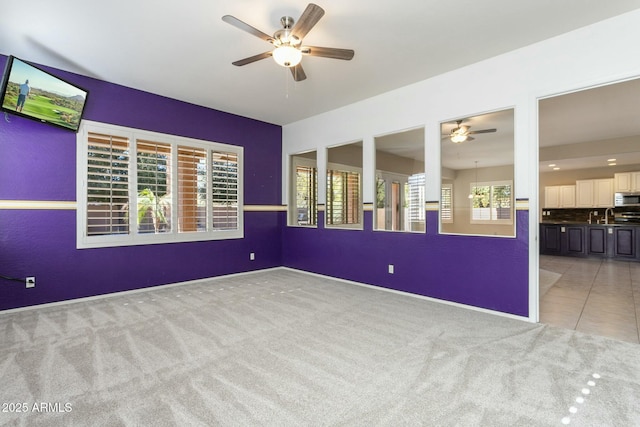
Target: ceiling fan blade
(246, 27)
(328, 52)
(251, 59)
(481, 131)
(308, 19)
(298, 73)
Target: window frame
(134, 237)
(491, 185)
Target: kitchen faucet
(590, 213)
(606, 216)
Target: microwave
(627, 199)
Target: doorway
(587, 139)
(392, 199)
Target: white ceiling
(184, 50)
(605, 114)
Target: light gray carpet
(282, 348)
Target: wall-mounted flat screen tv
(36, 94)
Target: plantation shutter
(501, 201)
(353, 198)
(481, 208)
(154, 186)
(446, 203)
(306, 195)
(343, 205)
(224, 184)
(107, 184)
(416, 199)
(492, 201)
(192, 184)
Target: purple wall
(38, 162)
(485, 272)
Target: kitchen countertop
(614, 224)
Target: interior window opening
(344, 186)
(477, 173)
(304, 190)
(400, 182)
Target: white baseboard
(409, 294)
(132, 291)
(207, 279)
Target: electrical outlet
(30, 282)
(391, 269)
(252, 256)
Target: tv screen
(36, 94)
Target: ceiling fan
(461, 133)
(287, 41)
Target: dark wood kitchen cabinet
(597, 240)
(557, 239)
(550, 239)
(574, 241)
(624, 242)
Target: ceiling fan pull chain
(286, 84)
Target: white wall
(594, 55)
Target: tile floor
(596, 296)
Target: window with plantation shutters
(224, 183)
(417, 214)
(306, 179)
(138, 187)
(303, 194)
(343, 198)
(492, 202)
(192, 189)
(446, 203)
(107, 184)
(153, 165)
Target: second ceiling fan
(461, 133)
(287, 41)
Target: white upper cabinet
(592, 193)
(552, 196)
(627, 181)
(567, 196)
(560, 196)
(603, 193)
(584, 193)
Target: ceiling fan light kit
(457, 138)
(287, 56)
(287, 41)
(461, 133)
